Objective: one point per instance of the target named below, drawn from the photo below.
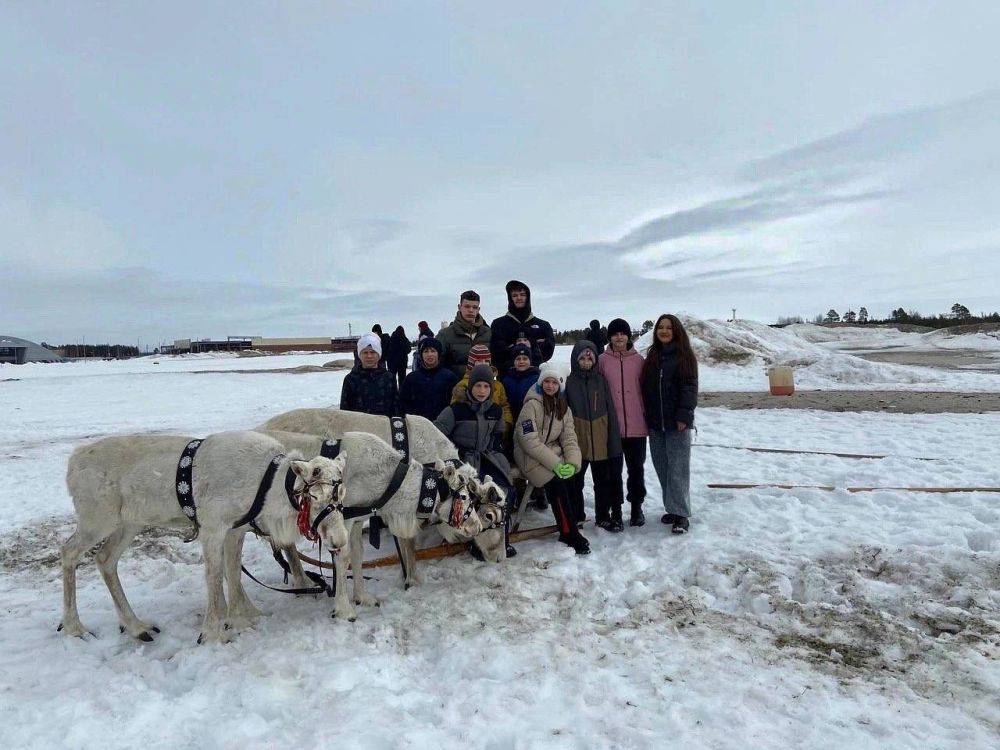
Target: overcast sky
(287, 168)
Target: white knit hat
(548, 370)
(372, 340)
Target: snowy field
(785, 619)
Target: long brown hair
(687, 363)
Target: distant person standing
(427, 390)
(520, 324)
(621, 365)
(467, 330)
(596, 336)
(383, 342)
(423, 332)
(670, 395)
(398, 353)
(368, 387)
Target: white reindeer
(360, 475)
(121, 485)
(427, 445)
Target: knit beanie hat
(429, 342)
(619, 326)
(549, 370)
(481, 374)
(518, 349)
(479, 354)
(370, 340)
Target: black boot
(603, 523)
(637, 518)
(616, 520)
(667, 518)
(577, 541)
(680, 526)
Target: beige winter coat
(543, 441)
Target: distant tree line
(958, 315)
(572, 335)
(102, 351)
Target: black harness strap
(262, 489)
(320, 587)
(330, 449)
(290, 489)
(185, 485)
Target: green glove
(565, 470)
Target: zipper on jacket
(621, 362)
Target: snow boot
(603, 523)
(617, 526)
(680, 525)
(577, 541)
(637, 518)
(667, 518)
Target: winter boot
(680, 526)
(637, 518)
(538, 501)
(616, 520)
(667, 518)
(577, 541)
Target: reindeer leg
(408, 547)
(361, 596)
(213, 628)
(299, 579)
(74, 548)
(107, 563)
(342, 606)
(241, 612)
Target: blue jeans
(671, 454)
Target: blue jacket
(517, 384)
(426, 392)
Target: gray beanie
(481, 374)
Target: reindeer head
(320, 492)
(490, 497)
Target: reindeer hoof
(201, 638)
(407, 586)
(59, 629)
(154, 628)
(121, 628)
(145, 637)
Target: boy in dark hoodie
(427, 390)
(596, 421)
(520, 323)
(519, 379)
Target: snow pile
(720, 343)
(986, 340)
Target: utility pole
(734, 314)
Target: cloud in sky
(293, 169)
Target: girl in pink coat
(621, 366)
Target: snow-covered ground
(785, 619)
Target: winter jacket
(498, 396)
(624, 375)
(593, 408)
(477, 430)
(669, 397)
(596, 336)
(458, 337)
(520, 323)
(543, 441)
(399, 350)
(517, 384)
(425, 333)
(370, 391)
(427, 392)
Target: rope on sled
(829, 488)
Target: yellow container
(781, 380)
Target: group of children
(612, 403)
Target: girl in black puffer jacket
(670, 395)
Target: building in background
(262, 344)
(20, 351)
